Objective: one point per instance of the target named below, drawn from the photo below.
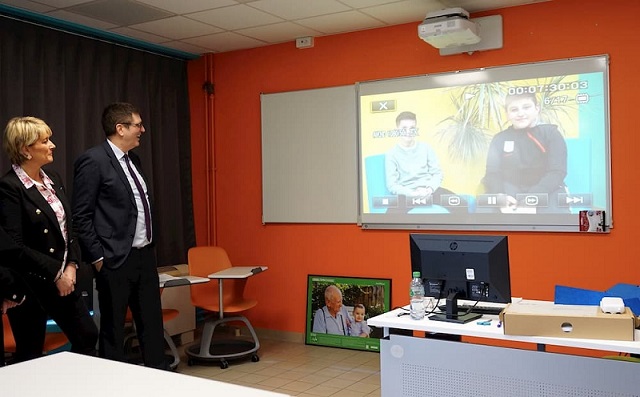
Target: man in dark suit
(111, 210)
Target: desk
(165, 281)
(210, 349)
(179, 298)
(411, 365)
(169, 281)
(73, 375)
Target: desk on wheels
(416, 366)
(165, 281)
(220, 350)
(168, 281)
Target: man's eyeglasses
(138, 125)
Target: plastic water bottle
(416, 296)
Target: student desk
(73, 375)
(169, 281)
(417, 366)
(222, 349)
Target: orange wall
(538, 32)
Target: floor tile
(297, 369)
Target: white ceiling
(203, 26)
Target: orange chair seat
(231, 307)
(167, 315)
(206, 260)
(52, 340)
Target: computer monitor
(471, 267)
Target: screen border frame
(596, 63)
(371, 343)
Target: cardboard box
(537, 318)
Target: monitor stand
(452, 315)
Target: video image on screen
(519, 146)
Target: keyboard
(477, 309)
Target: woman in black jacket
(35, 212)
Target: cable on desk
(405, 313)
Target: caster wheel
(190, 362)
(255, 358)
(224, 364)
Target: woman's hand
(67, 282)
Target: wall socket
(304, 42)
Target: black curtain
(67, 80)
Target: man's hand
(98, 265)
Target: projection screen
(518, 147)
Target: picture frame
(330, 323)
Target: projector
(448, 28)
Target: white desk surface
(391, 320)
(72, 375)
(167, 280)
(238, 272)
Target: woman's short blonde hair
(21, 132)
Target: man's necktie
(143, 197)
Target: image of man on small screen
(527, 162)
(332, 318)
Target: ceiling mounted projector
(450, 27)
